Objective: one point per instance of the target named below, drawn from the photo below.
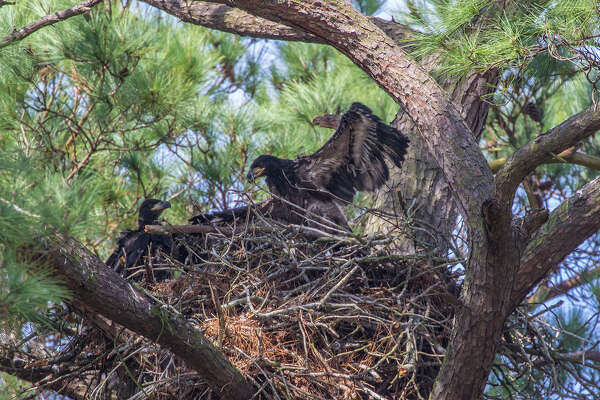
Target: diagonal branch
(105, 292)
(545, 293)
(234, 20)
(568, 226)
(543, 149)
(565, 157)
(50, 19)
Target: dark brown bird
(313, 188)
(134, 245)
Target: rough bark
(105, 292)
(568, 226)
(234, 20)
(543, 149)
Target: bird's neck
(283, 179)
(146, 221)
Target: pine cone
(533, 111)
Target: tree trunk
(419, 189)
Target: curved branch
(568, 226)
(234, 20)
(48, 20)
(105, 292)
(543, 149)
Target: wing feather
(354, 157)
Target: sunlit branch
(50, 19)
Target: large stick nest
(326, 318)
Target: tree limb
(545, 293)
(543, 149)
(105, 292)
(569, 225)
(565, 157)
(50, 19)
(234, 20)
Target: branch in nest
(228, 231)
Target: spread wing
(354, 157)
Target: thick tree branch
(47, 20)
(234, 20)
(568, 226)
(105, 292)
(544, 149)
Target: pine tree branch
(235, 20)
(50, 19)
(565, 157)
(544, 149)
(105, 292)
(569, 225)
(546, 293)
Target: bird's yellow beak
(255, 173)
(258, 172)
(161, 206)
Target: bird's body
(134, 245)
(314, 187)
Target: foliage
(112, 106)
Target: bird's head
(151, 209)
(264, 165)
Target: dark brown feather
(354, 157)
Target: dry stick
(338, 285)
(304, 230)
(50, 19)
